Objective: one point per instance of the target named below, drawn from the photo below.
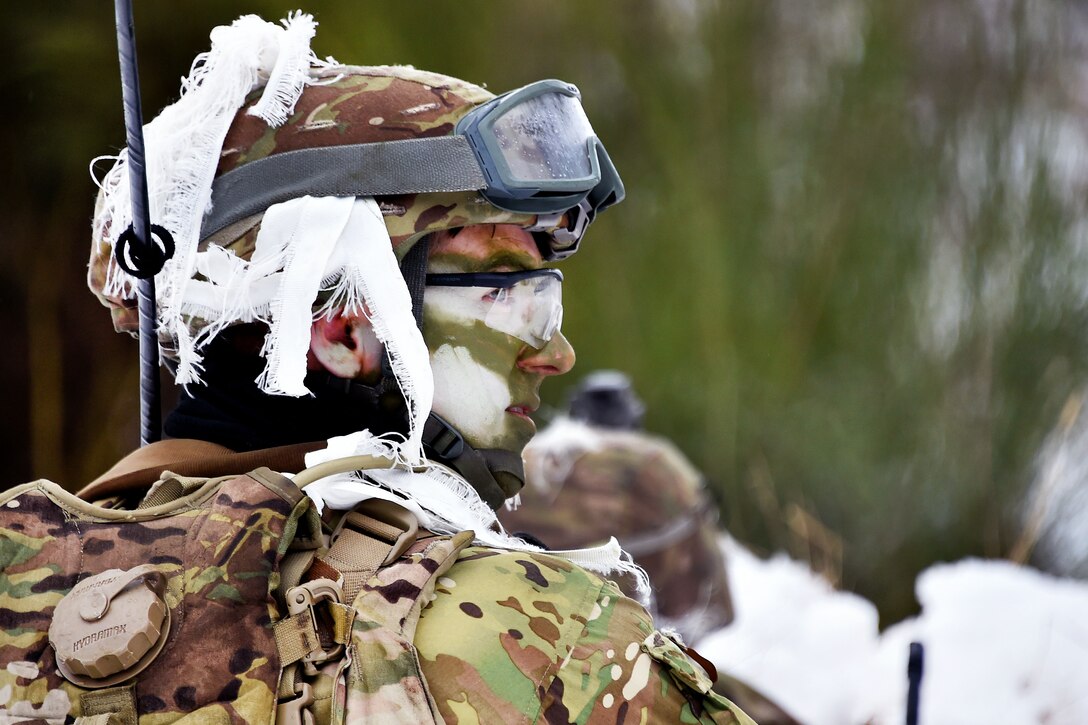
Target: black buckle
(442, 438)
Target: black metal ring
(143, 260)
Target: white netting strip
(183, 144)
(444, 502)
(366, 268)
(308, 230)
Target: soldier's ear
(345, 346)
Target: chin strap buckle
(442, 438)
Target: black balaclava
(231, 410)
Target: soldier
(359, 257)
(596, 474)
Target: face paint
(475, 396)
(478, 386)
(486, 380)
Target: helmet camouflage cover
(584, 484)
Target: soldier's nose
(555, 358)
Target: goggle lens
(546, 138)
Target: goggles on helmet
(532, 151)
(526, 305)
(539, 152)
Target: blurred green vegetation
(848, 278)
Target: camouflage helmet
(341, 106)
(585, 483)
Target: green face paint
(486, 381)
(477, 380)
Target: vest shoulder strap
(388, 570)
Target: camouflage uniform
(523, 638)
(516, 637)
(508, 636)
(588, 483)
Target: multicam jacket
(519, 637)
(492, 635)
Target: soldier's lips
(521, 411)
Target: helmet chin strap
(495, 474)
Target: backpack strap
(387, 676)
(386, 569)
(375, 534)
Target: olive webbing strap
(110, 706)
(407, 166)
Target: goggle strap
(442, 164)
(414, 269)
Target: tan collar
(187, 457)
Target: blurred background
(850, 279)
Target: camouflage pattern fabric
(515, 637)
(220, 550)
(384, 681)
(450, 633)
(453, 633)
(353, 105)
(642, 490)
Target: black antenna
(136, 251)
(914, 681)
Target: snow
(1003, 643)
(794, 638)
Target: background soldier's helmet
(584, 484)
(348, 105)
(606, 398)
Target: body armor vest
(230, 581)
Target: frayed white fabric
(289, 71)
(183, 147)
(444, 502)
(305, 232)
(339, 246)
(365, 268)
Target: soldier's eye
(499, 294)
